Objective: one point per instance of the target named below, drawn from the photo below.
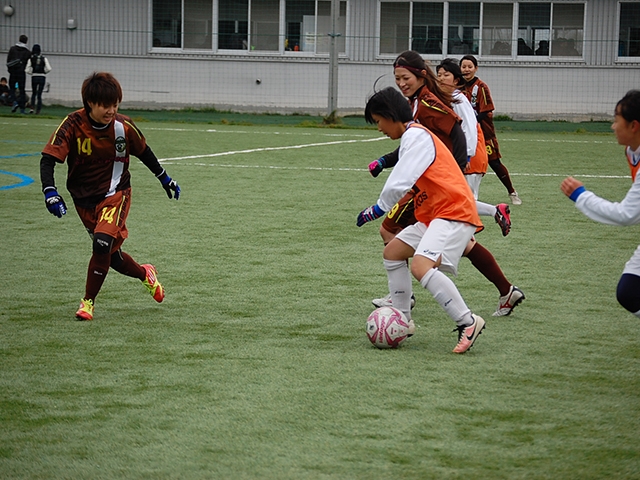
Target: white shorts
(473, 180)
(633, 265)
(441, 238)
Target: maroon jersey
(435, 115)
(480, 97)
(97, 158)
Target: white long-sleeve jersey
(462, 106)
(626, 212)
(417, 152)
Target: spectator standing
(16, 63)
(4, 91)
(37, 66)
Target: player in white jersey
(626, 126)
(450, 77)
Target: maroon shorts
(401, 215)
(493, 149)
(109, 217)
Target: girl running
(480, 97)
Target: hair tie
(416, 71)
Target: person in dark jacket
(4, 91)
(16, 62)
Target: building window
(167, 23)
(568, 30)
(551, 29)
(534, 28)
(198, 24)
(249, 25)
(265, 25)
(233, 24)
(464, 28)
(426, 31)
(497, 29)
(394, 27)
(308, 24)
(629, 39)
(543, 28)
(234, 18)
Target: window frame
(625, 58)
(513, 56)
(282, 33)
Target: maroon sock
(122, 263)
(96, 274)
(503, 174)
(486, 264)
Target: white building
(273, 55)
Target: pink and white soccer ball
(387, 327)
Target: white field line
(269, 149)
(345, 169)
(501, 137)
(542, 140)
(212, 130)
(179, 161)
(247, 132)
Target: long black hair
(388, 103)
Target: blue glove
(377, 166)
(55, 203)
(369, 214)
(169, 185)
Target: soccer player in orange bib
(480, 97)
(96, 143)
(445, 210)
(431, 107)
(626, 126)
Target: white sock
(447, 295)
(486, 209)
(399, 285)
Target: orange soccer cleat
(153, 285)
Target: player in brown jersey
(96, 143)
(480, 97)
(431, 106)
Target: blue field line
(18, 155)
(24, 180)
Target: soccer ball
(387, 327)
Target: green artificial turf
(218, 117)
(257, 364)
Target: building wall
(583, 89)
